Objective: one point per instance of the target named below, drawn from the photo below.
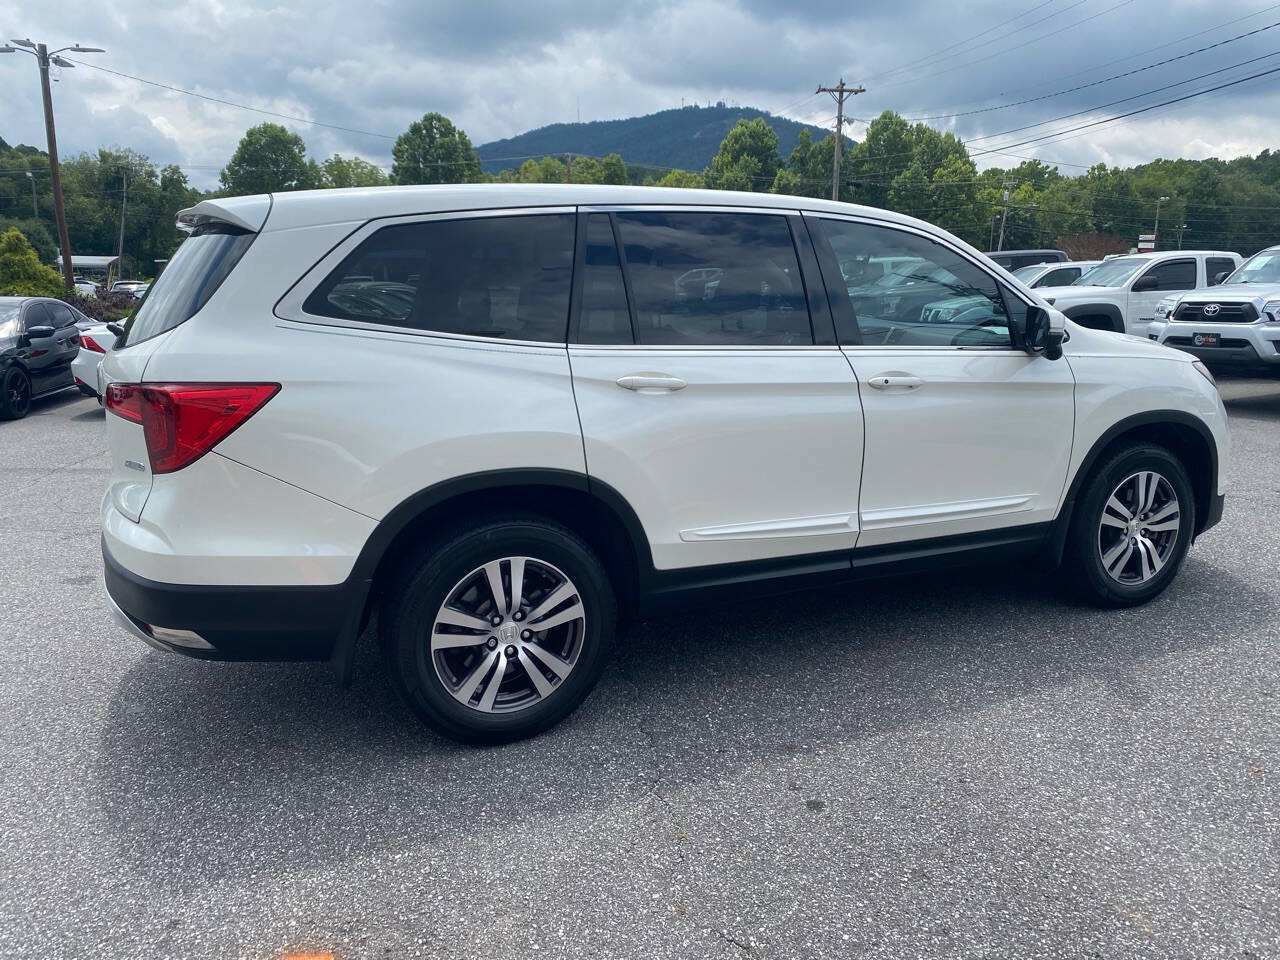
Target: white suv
(1121, 293)
(505, 416)
(1235, 325)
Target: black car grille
(1187, 342)
(1227, 313)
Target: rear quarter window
(193, 275)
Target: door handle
(884, 381)
(651, 382)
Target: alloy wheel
(19, 393)
(1139, 528)
(508, 635)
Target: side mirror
(1144, 283)
(116, 330)
(39, 332)
(1044, 332)
(1219, 277)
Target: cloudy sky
(499, 69)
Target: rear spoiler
(248, 213)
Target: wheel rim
(19, 391)
(507, 636)
(1139, 528)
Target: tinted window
(1059, 278)
(1174, 275)
(38, 315)
(62, 315)
(1112, 273)
(191, 277)
(605, 318)
(1217, 265)
(714, 278)
(502, 277)
(941, 300)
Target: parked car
(95, 340)
(86, 287)
(1235, 325)
(1013, 259)
(1121, 293)
(38, 341)
(554, 437)
(136, 288)
(1055, 274)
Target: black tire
(1083, 560)
(416, 596)
(15, 394)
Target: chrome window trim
(1008, 281)
(289, 306)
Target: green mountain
(685, 137)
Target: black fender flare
(1058, 538)
(1108, 310)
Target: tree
(885, 152)
(433, 150)
(340, 171)
(268, 159)
(21, 272)
(681, 178)
(747, 158)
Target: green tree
(884, 154)
(681, 178)
(21, 272)
(747, 159)
(433, 150)
(340, 171)
(268, 159)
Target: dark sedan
(38, 340)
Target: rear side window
(504, 277)
(1218, 265)
(714, 279)
(191, 277)
(1059, 278)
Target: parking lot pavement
(962, 765)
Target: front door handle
(885, 380)
(651, 382)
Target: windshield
(912, 271)
(1028, 273)
(9, 319)
(1112, 273)
(1260, 268)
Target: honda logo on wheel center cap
(508, 632)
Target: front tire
(15, 394)
(498, 632)
(1132, 527)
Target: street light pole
(1181, 230)
(43, 58)
(35, 210)
(1155, 233)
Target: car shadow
(211, 772)
(97, 412)
(54, 402)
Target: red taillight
(181, 422)
(90, 344)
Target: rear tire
(15, 394)
(1132, 526)
(484, 682)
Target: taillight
(181, 422)
(89, 343)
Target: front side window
(605, 317)
(503, 277)
(62, 315)
(939, 298)
(1174, 275)
(714, 279)
(1112, 273)
(37, 315)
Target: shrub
(21, 272)
(105, 308)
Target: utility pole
(1181, 230)
(35, 210)
(840, 93)
(1155, 234)
(1005, 216)
(43, 58)
(124, 202)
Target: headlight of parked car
(1165, 307)
(1272, 311)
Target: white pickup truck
(1121, 293)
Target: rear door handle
(884, 381)
(651, 382)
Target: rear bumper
(233, 622)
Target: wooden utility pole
(59, 211)
(124, 202)
(840, 93)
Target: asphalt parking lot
(966, 766)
